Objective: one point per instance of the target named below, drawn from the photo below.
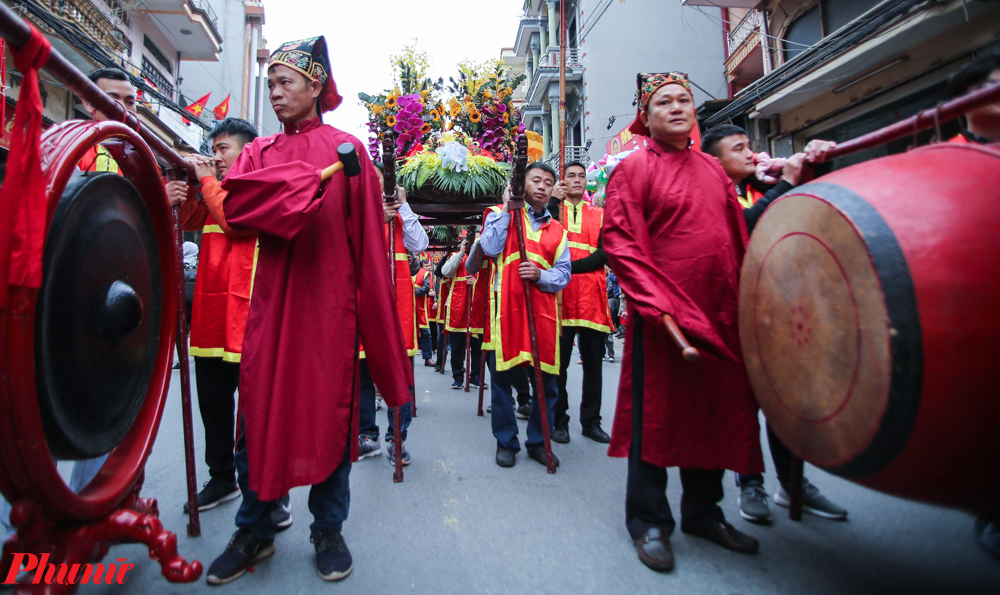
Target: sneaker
(523, 412)
(753, 503)
(390, 449)
(243, 550)
(489, 409)
(281, 512)
(813, 502)
(378, 403)
(333, 559)
(368, 447)
(214, 492)
(475, 382)
(457, 385)
(611, 359)
(579, 362)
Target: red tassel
(22, 197)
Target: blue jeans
(426, 350)
(84, 471)
(366, 423)
(503, 420)
(329, 501)
(6, 530)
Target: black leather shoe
(655, 551)
(505, 456)
(595, 433)
(538, 453)
(723, 534)
(560, 434)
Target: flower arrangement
(411, 117)
(452, 166)
(481, 107)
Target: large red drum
(870, 323)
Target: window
(119, 9)
(824, 18)
(803, 32)
(157, 54)
(838, 13)
(153, 75)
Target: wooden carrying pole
(17, 32)
(562, 89)
(468, 315)
(389, 195)
(486, 320)
(517, 204)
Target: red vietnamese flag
(195, 108)
(222, 110)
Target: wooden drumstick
(690, 353)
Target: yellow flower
(475, 116)
(468, 97)
(450, 124)
(390, 121)
(506, 117)
(487, 94)
(390, 102)
(425, 128)
(470, 107)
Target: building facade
(608, 42)
(837, 69)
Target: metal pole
(468, 333)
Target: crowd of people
(288, 259)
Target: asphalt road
(461, 524)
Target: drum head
(817, 333)
(98, 315)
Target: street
(461, 524)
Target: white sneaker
(368, 448)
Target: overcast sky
(362, 36)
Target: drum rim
(24, 453)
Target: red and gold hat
(309, 56)
(647, 83)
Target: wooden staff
(389, 195)
(468, 317)
(486, 320)
(516, 205)
(690, 353)
(194, 521)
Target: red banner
(623, 141)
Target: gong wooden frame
(28, 470)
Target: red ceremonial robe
(322, 251)
(675, 236)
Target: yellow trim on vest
(587, 324)
(573, 224)
(215, 352)
(562, 246)
(402, 257)
(531, 256)
(212, 229)
(582, 246)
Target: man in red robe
(321, 252)
(675, 236)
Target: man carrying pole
(528, 273)
(463, 345)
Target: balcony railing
(88, 18)
(205, 9)
(751, 23)
(573, 153)
(551, 59)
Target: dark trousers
(367, 423)
(646, 503)
(217, 381)
(434, 334)
(503, 420)
(615, 304)
(519, 380)
(782, 458)
(426, 349)
(457, 341)
(329, 501)
(591, 345)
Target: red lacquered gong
(870, 318)
(85, 361)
